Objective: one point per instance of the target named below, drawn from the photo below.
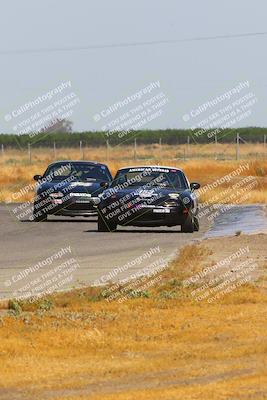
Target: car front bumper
(150, 216)
(73, 206)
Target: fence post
(29, 153)
(107, 151)
(237, 146)
(2, 150)
(81, 150)
(215, 139)
(55, 151)
(188, 145)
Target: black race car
(149, 196)
(70, 188)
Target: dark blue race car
(70, 188)
(149, 196)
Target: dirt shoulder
(162, 342)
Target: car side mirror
(194, 186)
(104, 185)
(37, 177)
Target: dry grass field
(199, 164)
(162, 344)
(165, 345)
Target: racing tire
(38, 215)
(188, 225)
(104, 226)
(196, 224)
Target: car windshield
(80, 171)
(160, 177)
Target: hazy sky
(190, 73)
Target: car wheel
(38, 215)
(104, 226)
(196, 224)
(188, 225)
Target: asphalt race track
(24, 244)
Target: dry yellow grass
(158, 347)
(16, 172)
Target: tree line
(167, 136)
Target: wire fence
(237, 150)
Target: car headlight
(186, 200)
(96, 201)
(56, 195)
(174, 195)
(170, 203)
